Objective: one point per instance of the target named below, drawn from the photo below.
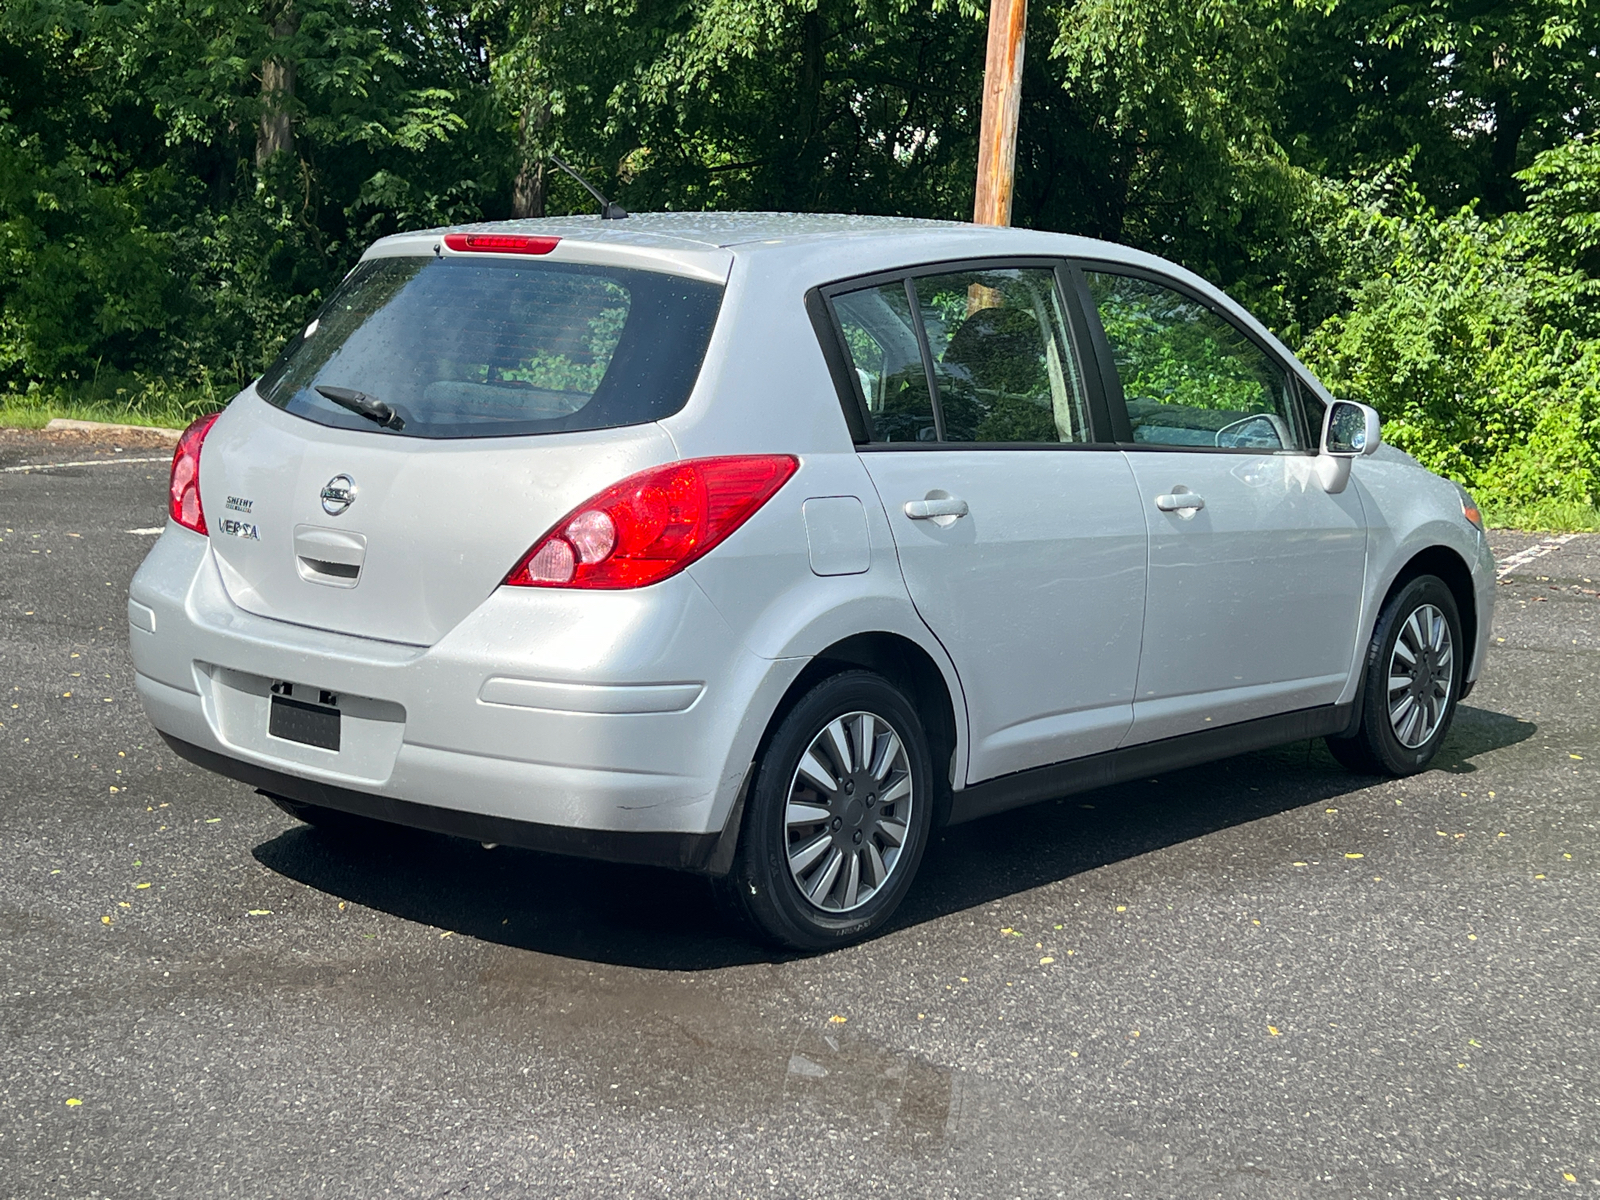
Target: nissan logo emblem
(338, 494)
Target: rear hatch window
(463, 348)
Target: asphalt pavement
(1261, 978)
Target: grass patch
(136, 402)
(1545, 516)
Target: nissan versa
(763, 546)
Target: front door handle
(1179, 502)
(931, 510)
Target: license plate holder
(309, 724)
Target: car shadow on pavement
(663, 920)
(1001, 856)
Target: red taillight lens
(183, 492)
(500, 243)
(653, 524)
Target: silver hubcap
(1420, 671)
(849, 811)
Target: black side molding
(1148, 758)
(679, 851)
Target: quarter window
(881, 338)
(1001, 358)
(1190, 377)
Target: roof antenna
(608, 210)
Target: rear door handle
(1179, 502)
(928, 510)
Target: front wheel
(837, 818)
(1414, 669)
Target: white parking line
(1512, 562)
(153, 531)
(93, 462)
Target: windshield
(460, 347)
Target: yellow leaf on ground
(1355, 855)
(140, 886)
(105, 920)
(836, 1019)
(1122, 908)
(260, 912)
(1046, 960)
(73, 1103)
(1273, 1030)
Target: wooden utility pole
(1002, 103)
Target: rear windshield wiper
(368, 406)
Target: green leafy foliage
(1470, 336)
(1409, 192)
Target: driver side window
(1189, 377)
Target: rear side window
(991, 343)
(1000, 355)
(462, 348)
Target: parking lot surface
(1260, 978)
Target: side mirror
(1348, 431)
(1351, 429)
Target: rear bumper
(704, 853)
(587, 721)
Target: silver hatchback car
(762, 546)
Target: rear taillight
(183, 493)
(653, 524)
(500, 243)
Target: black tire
(1375, 747)
(761, 891)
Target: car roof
(748, 233)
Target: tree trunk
(1500, 190)
(804, 177)
(277, 93)
(527, 190)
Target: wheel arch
(1450, 567)
(909, 667)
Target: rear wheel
(1414, 669)
(837, 818)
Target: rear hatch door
(429, 528)
(498, 395)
